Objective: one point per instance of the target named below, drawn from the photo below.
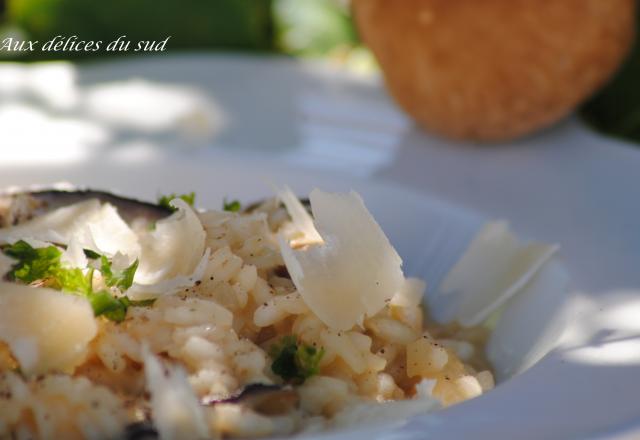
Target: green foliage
(295, 362)
(312, 27)
(192, 24)
(297, 27)
(615, 110)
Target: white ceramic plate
(274, 120)
(580, 389)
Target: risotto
(215, 323)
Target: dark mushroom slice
(16, 208)
(282, 272)
(270, 400)
(141, 431)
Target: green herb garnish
(33, 264)
(232, 206)
(92, 255)
(164, 201)
(105, 304)
(43, 266)
(295, 362)
(122, 279)
(114, 308)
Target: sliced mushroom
(269, 400)
(19, 207)
(140, 431)
(282, 272)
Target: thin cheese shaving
(493, 269)
(110, 234)
(89, 224)
(353, 271)
(174, 248)
(47, 330)
(57, 226)
(175, 408)
(171, 285)
(300, 218)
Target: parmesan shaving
(493, 269)
(89, 224)
(353, 271)
(74, 255)
(57, 226)
(46, 330)
(175, 409)
(172, 285)
(300, 218)
(174, 248)
(109, 233)
(411, 293)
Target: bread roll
(494, 69)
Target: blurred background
(298, 28)
(306, 28)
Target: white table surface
(566, 184)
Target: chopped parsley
(43, 266)
(107, 305)
(114, 308)
(232, 206)
(33, 264)
(122, 279)
(293, 361)
(165, 201)
(92, 255)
